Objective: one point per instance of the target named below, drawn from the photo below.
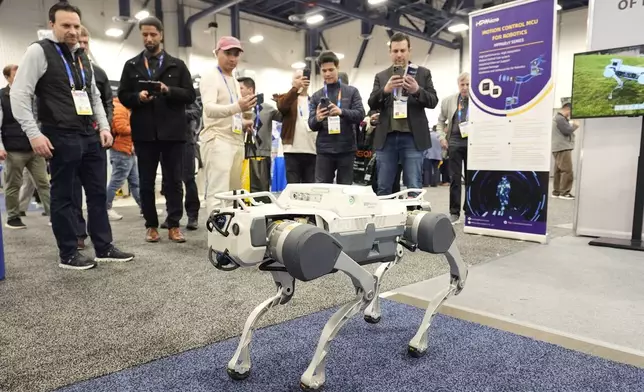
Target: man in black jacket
(61, 77)
(335, 112)
(403, 133)
(159, 125)
(103, 84)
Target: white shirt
(303, 138)
(219, 106)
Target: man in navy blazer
(403, 133)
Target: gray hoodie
(563, 137)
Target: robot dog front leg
(239, 365)
(315, 375)
(433, 233)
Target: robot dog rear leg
(315, 375)
(373, 313)
(239, 365)
(458, 272)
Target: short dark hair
(399, 37)
(151, 21)
(62, 6)
(566, 105)
(328, 57)
(248, 82)
(6, 71)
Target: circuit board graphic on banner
(512, 96)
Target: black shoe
(113, 254)
(77, 262)
(193, 224)
(164, 225)
(44, 214)
(15, 223)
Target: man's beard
(152, 48)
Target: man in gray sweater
(563, 142)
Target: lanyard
(69, 70)
(326, 93)
(228, 87)
(460, 109)
(257, 110)
(147, 65)
(299, 107)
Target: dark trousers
(300, 168)
(191, 202)
(335, 166)
(170, 154)
(79, 220)
(457, 159)
(78, 160)
(431, 173)
(444, 170)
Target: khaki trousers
(16, 162)
(563, 175)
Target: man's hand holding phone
(248, 102)
(145, 96)
(396, 81)
(334, 110)
(322, 112)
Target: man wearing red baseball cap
(222, 137)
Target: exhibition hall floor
(61, 327)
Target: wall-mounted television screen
(608, 83)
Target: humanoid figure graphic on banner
(503, 193)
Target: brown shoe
(176, 235)
(81, 244)
(152, 235)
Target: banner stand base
(618, 243)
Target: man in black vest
(68, 105)
(16, 151)
(103, 85)
(157, 87)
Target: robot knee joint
(431, 231)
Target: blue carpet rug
(462, 357)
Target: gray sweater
(563, 137)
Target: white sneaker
(113, 216)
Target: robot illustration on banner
(312, 230)
(535, 70)
(503, 193)
(617, 70)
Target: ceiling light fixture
(457, 28)
(315, 19)
(298, 65)
(340, 56)
(255, 39)
(142, 14)
(114, 32)
(376, 2)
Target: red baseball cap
(227, 43)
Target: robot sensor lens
(220, 222)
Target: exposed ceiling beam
(395, 25)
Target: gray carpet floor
(58, 326)
(462, 356)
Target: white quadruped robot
(617, 70)
(312, 230)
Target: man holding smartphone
(401, 93)
(297, 138)
(157, 87)
(335, 112)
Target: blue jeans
(124, 167)
(399, 148)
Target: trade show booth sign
(510, 120)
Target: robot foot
(415, 353)
(235, 375)
(372, 320)
(240, 364)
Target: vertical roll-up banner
(512, 49)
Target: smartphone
(152, 87)
(398, 70)
(260, 98)
(324, 102)
(306, 73)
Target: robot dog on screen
(312, 230)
